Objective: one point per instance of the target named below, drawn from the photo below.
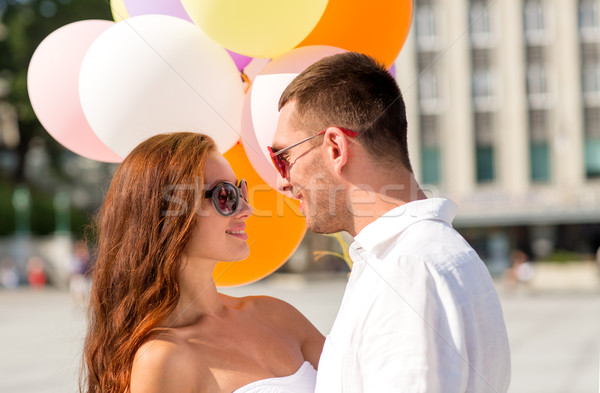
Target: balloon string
(345, 255)
(247, 81)
(344, 246)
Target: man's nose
(283, 185)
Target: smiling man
(420, 312)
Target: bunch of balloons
(102, 87)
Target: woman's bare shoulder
(164, 365)
(268, 305)
(284, 315)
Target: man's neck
(378, 194)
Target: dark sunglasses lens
(226, 199)
(244, 188)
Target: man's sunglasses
(227, 196)
(281, 163)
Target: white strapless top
(302, 381)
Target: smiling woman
(157, 323)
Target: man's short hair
(354, 91)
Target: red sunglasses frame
(282, 165)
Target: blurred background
(503, 101)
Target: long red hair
(143, 225)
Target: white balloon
(266, 91)
(154, 74)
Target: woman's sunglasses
(282, 165)
(227, 196)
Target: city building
(503, 105)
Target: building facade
(503, 104)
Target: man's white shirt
(420, 312)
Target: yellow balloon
(118, 9)
(258, 28)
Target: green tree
(23, 25)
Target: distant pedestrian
(521, 271)
(80, 265)
(9, 275)
(36, 276)
(598, 259)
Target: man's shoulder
(435, 243)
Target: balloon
(377, 28)
(158, 7)
(274, 231)
(118, 10)
(260, 113)
(259, 122)
(259, 28)
(155, 73)
(53, 86)
(254, 151)
(299, 59)
(392, 70)
(173, 8)
(240, 61)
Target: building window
(485, 164)
(539, 152)
(539, 163)
(428, 92)
(534, 17)
(426, 29)
(537, 79)
(483, 81)
(590, 73)
(591, 80)
(480, 25)
(592, 123)
(483, 84)
(535, 22)
(484, 147)
(537, 84)
(589, 28)
(430, 101)
(592, 142)
(483, 90)
(430, 150)
(538, 87)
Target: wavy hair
(143, 225)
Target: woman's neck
(198, 296)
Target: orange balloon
(275, 229)
(376, 28)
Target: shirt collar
(398, 219)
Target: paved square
(555, 339)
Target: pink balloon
(240, 61)
(53, 85)
(159, 7)
(298, 59)
(392, 70)
(260, 113)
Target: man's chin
(321, 226)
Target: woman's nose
(246, 210)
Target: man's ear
(338, 148)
